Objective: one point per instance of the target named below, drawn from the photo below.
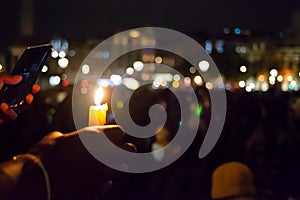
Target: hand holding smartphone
(29, 66)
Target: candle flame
(99, 95)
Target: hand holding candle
(97, 112)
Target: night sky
(100, 18)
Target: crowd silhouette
(261, 131)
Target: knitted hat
(232, 179)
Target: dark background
(102, 18)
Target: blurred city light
(198, 80)
(158, 59)
(54, 80)
(261, 78)
(243, 50)
(203, 65)
(164, 83)
(176, 77)
(292, 85)
(65, 83)
(72, 53)
(209, 85)
(84, 90)
(149, 58)
(243, 68)
(62, 54)
(264, 86)
(242, 84)
(272, 80)
(120, 104)
(116, 79)
(138, 66)
(134, 34)
(198, 110)
(252, 86)
(63, 62)
(187, 81)
(84, 83)
(145, 77)
(226, 30)
(285, 86)
(192, 70)
(105, 54)
(219, 46)
(54, 54)
(228, 86)
(250, 81)
(208, 46)
(85, 69)
(44, 69)
(157, 81)
(131, 83)
(103, 82)
(237, 31)
(175, 84)
(63, 76)
(163, 76)
(248, 89)
(279, 78)
(129, 71)
(274, 72)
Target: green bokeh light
(120, 104)
(180, 123)
(198, 110)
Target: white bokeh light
(131, 83)
(242, 84)
(62, 54)
(129, 71)
(85, 69)
(198, 80)
(54, 54)
(54, 80)
(203, 65)
(274, 72)
(45, 68)
(264, 86)
(279, 78)
(63, 62)
(138, 66)
(243, 69)
(176, 77)
(116, 79)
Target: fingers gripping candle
(97, 112)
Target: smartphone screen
(29, 66)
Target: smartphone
(29, 66)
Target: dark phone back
(29, 66)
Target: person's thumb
(9, 79)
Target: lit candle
(97, 113)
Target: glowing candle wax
(97, 113)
